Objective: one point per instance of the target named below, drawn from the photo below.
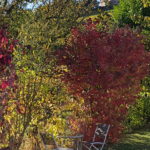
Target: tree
(106, 70)
(37, 100)
(40, 94)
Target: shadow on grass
(135, 141)
(128, 146)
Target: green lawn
(136, 141)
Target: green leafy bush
(134, 13)
(139, 114)
(128, 12)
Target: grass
(135, 141)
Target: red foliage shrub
(106, 70)
(6, 49)
(7, 71)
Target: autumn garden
(66, 65)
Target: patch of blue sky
(32, 5)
